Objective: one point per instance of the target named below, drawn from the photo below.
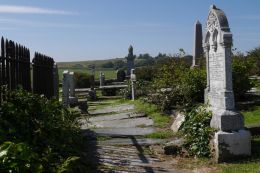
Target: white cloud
(36, 24)
(31, 10)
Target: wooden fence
(15, 70)
(43, 75)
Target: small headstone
(120, 75)
(231, 140)
(179, 119)
(68, 89)
(102, 79)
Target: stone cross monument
(197, 50)
(231, 140)
(130, 60)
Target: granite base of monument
(229, 146)
(227, 120)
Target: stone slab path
(123, 148)
(113, 109)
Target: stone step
(120, 132)
(113, 109)
(135, 122)
(119, 116)
(127, 141)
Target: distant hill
(117, 63)
(85, 64)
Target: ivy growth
(197, 131)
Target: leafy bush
(141, 89)
(178, 85)
(197, 131)
(254, 56)
(36, 134)
(146, 73)
(108, 64)
(241, 68)
(19, 158)
(83, 80)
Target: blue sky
(101, 29)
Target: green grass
(85, 64)
(161, 134)
(252, 116)
(109, 73)
(161, 120)
(103, 138)
(250, 165)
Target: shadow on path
(141, 154)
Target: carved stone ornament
(212, 22)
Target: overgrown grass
(250, 165)
(252, 116)
(161, 120)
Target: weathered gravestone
(130, 60)
(120, 75)
(68, 89)
(55, 81)
(231, 140)
(102, 79)
(197, 50)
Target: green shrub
(141, 89)
(84, 80)
(19, 158)
(146, 73)
(241, 68)
(254, 56)
(41, 133)
(197, 131)
(178, 85)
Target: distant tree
(78, 66)
(145, 62)
(108, 64)
(144, 56)
(254, 56)
(118, 64)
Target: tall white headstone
(65, 89)
(133, 79)
(102, 79)
(68, 89)
(219, 91)
(72, 84)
